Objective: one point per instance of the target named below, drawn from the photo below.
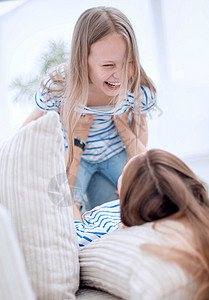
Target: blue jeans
(96, 182)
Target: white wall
(174, 50)
(28, 28)
(187, 30)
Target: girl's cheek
(106, 74)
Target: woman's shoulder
(176, 232)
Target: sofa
(40, 258)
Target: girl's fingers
(85, 120)
(116, 193)
(123, 117)
(89, 118)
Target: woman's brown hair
(158, 185)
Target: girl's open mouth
(113, 84)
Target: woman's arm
(81, 132)
(132, 142)
(140, 123)
(37, 113)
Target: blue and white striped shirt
(103, 140)
(98, 222)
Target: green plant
(25, 86)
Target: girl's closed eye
(108, 65)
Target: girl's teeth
(113, 83)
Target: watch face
(79, 143)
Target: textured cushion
(117, 264)
(34, 188)
(93, 294)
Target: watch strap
(79, 143)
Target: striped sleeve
(98, 222)
(86, 234)
(147, 100)
(46, 99)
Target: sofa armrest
(14, 283)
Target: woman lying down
(153, 186)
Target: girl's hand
(82, 127)
(117, 193)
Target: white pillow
(34, 188)
(116, 264)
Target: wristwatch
(79, 143)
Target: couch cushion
(14, 279)
(34, 189)
(94, 294)
(116, 264)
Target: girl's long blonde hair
(159, 185)
(93, 25)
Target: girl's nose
(117, 73)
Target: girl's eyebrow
(107, 60)
(104, 61)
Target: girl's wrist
(79, 143)
(82, 133)
(77, 153)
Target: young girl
(103, 79)
(158, 187)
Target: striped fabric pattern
(98, 222)
(103, 141)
